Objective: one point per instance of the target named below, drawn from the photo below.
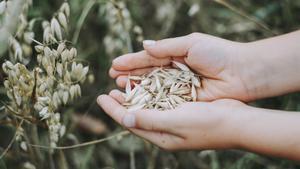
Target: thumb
(142, 119)
(172, 47)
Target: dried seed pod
(145, 82)
(66, 9)
(59, 69)
(194, 93)
(61, 47)
(63, 20)
(131, 94)
(55, 28)
(78, 90)
(181, 66)
(65, 55)
(2, 7)
(196, 81)
(73, 53)
(72, 92)
(128, 87)
(136, 78)
(65, 97)
(47, 35)
(28, 36)
(39, 48)
(84, 72)
(51, 78)
(138, 98)
(162, 89)
(47, 52)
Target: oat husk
(162, 89)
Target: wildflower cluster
(52, 83)
(119, 22)
(20, 44)
(120, 26)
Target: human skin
(241, 71)
(220, 124)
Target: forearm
(270, 132)
(274, 65)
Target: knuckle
(113, 92)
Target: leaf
(2, 164)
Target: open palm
(216, 60)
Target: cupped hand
(220, 62)
(195, 125)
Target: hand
(219, 61)
(198, 125)
(242, 71)
(221, 124)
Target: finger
(152, 120)
(172, 47)
(161, 139)
(178, 59)
(121, 81)
(112, 107)
(137, 72)
(117, 95)
(138, 60)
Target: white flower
(43, 99)
(62, 130)
(23, 146)
(65, 97)
(28, 165)
(44, 114)
(194, 9)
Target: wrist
(255, 71)
(238, 120)
(270, 67)
(230, 128)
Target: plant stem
(81, 20)
(35, 140)
(12, 140)
(245, 15)
(123, 133)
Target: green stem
(81, 20)
(12, 140)
(245, 15)
(123, 133)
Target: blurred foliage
(157, 19)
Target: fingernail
(115, 61)
(99, 99)
(149, 42)
(129, 120)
